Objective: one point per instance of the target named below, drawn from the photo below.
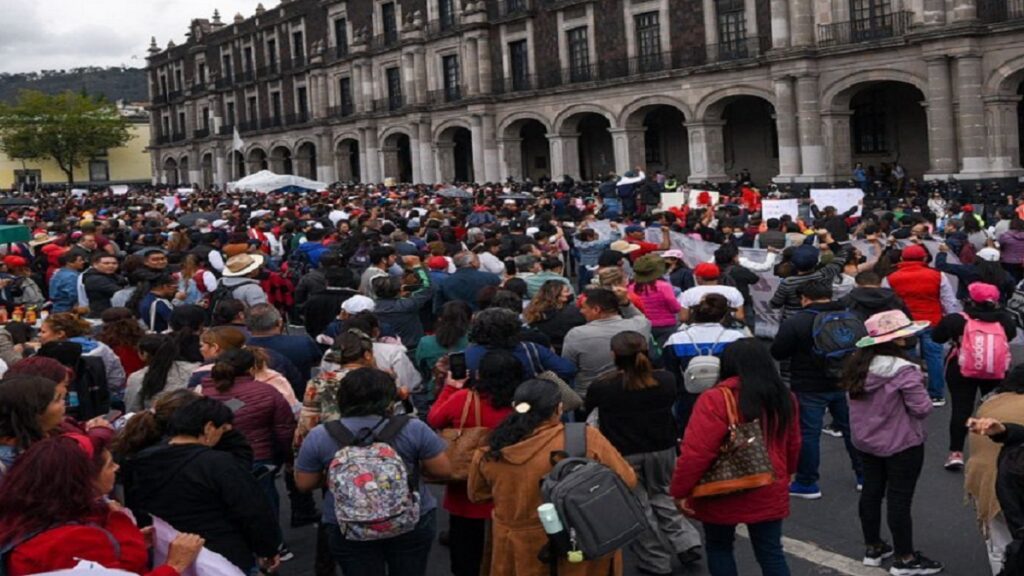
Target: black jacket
(742, 279)
(866, 301)
(1010, 477)
(206, 492)
(99, 289)
(794, 342)
(557, 323)
(323, 307)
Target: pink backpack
(984, 351)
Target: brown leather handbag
(462, 441)
(743, 462)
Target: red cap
(914, 252)
(707, 271)
(968, 208)
(437, 263)
(15, 261)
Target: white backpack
(704, 369)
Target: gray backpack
(596, 507)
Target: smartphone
(113, 415)
(457, 365)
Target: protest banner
(697, 195)
(672, 200)
(780, 208)
(841, 198)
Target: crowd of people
(174, 361)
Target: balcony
(264, 72)
(227, 130)
(443, 26)
(272, 122)
(865, 30)
(178, 136)
(739, 49)
(341, 52)
(248, 126)
(201, 133)
(446, 95)
(225, 83)
(510, 9)
(390, 104)
(174, 95)
(297, 63)
(163, 139)
(340, 111)
(992, 11)
(384, 41)
(246, 77)
(297, 119)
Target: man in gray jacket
(240, 274)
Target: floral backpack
(375, 495)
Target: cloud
(61, 34)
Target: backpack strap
(339, 433)
(391, 430)
(532, 357)
(576, 439)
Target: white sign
(695, 196)
(841, 198)
(780, 208)
(207, 564)
(170, 202)
(672, 200)
(185, 191)
(78, 192)
(119, 190)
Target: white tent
(267, 181)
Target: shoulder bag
(743, 462)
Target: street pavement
(823, 536)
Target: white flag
(237, 144)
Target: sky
(61, 34)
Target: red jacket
(265, 418)
(447, 413)
(61, 548)
(704, 436)
(919, 287)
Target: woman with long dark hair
(121, 331)
(165, 370)
(509, 471)
(888, 405)
(31, 407)
(986, 268)
(748, 373)
(53, 513)
(490, 397)
(451, 335)
(553, 312)
(186, 324)
(634, 404)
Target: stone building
(797, 91)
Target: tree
(68, 128)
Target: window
(389, 23)
(732, 29)
(871, 19)
(450, 65)
(648, 39)
(394, 78)
(298, 48)
(166, 132)
(515, 6)
(446, 14)
(869, 134)
(163, 86)
(252, 112)
(302, 102)
(206, 120)
(247, 60)
(345, 93)
(99, 171)
(341, 37)
(272, 55)
(27, 180)
(518, 58)
(181, 123)
(179, 84)
(201, 72)
(652, 144)
(275, 106)
(579, 54)
(229, 115)
(226, 67)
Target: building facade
(795, 91)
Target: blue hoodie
(313, 251)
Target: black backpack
(835, 334)
(218, 295)
(299, 265)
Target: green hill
(114, 83)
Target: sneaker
(689, 556)
(860, 483)
(874, 555)
(955, 462)
(804, 491)
(832, 431)
(919, 564)
(938, 401)
(284, 553)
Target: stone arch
(207, 168)
(836, 95)
(1005, 78)
(305, 158)
(170, 169)
(517, 117)
(565, 125)
(346, 152)
(628, 117)
(396, 153)
(391, 131)
(254, 147)
(282, 159)
(339, 138)
(184, 170)
(275, 144)
(446, 126)
(1004, 115)
(256, 158)
(713, 105)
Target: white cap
(220, 223)
(357, 304)
(988, 254)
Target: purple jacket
(1011, 247)
(264, 418)
(889, 417)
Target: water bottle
(549, 518)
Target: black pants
(466, 545)
(893, 478)
(963, 392)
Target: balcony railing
(249, 126)
(201, 133)
(174, 95)
(341, 52)
(865, 30)
(224, 83)
(340, 111)
(177, 137)
(162, 139)
(382, 41)
(514, 8)
(296, 63)
(297, 119)
(227, 130)
(443, 25)
(389, 104)
(992, 11)
(739, 49)
(446, 95)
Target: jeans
(765, 538)
(668, 532)
(266, 473)
(404, 555)
(812, 415)
(893, 478)
(629, 206)
(933, 361)
(583, 278)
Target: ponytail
(231, 364)
(161, 352)
(148, 427)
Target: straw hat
(41, 238)
(242, 265)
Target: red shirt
(446, 413)
(61, 548)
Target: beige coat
(980, 474)
(513, 484)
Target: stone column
(428, 175)
(195, 170)
(1004, 142)
(801, 15)
(484, 62)
(471, 67)
(710, 25)
(510, 151)
(812, 151)
(942, 145)
(414, 156)
(220, 166)
(325, 157)
(836, 133)
(971, 113)
(318, 95)
(707, 151)
(419, 65)
(409, 79)
(628, 145)
(490, 146)
(476, 128)
(565, 156)
(369, 147)
(357, 89)
(785, 123)
(190, 120)
(780, 23)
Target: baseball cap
(357, 304)
(707, 271)
(437, 263)
(988, 254)
(914, 252)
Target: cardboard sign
(780, 208)
(696, 194)
(841, 198)
(672, 200)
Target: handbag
(462, 441)
(571, 400)
(742, 463)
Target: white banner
(695, 196)
(780, 208)
(672, 200)
(119, 190)
(841, 198)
